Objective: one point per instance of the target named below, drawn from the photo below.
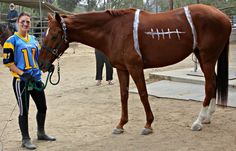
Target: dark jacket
(12, 14)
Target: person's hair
(23, 14)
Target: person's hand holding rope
(27, 77)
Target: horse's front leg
(138, 76)
(123, 76)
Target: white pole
(40, 16)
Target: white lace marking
(162, 33)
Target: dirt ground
(81, 115)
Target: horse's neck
(90, 29)
(96, 29)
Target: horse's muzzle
(46, 66)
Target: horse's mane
(113, 13)
(96, 18)
(120, 12)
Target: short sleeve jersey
(23, 53)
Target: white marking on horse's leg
(197, 125)
(210, 111)
(212, 106)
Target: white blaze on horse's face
(47, 32)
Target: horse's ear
(58, 17)
(50, 17)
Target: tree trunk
(171, 4)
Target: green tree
(118, 4)
(92, 5)
(67, 5)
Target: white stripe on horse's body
(135, 32)
(190, 21)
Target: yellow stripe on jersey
(23, 38)
(33, 54)
(8, 45)
(6, 55)
(9, 64)
(15, 75)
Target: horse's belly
(165, 57)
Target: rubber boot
(28, 144)
(41, 132)
(23, 123)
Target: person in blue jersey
(20, 55)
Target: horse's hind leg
(209, 102)
(123, 76)
(210, 111)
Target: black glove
(27, 77)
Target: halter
(54, 51)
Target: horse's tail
(222, 76)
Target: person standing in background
(12, 16)
(101, 59)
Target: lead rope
(50, 73)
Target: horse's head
(55, 42)
(5, 32)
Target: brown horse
(134, 40)
(5, 32)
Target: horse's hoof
(206, 121)
(146, 131)
(117, 130)
(196, 127)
